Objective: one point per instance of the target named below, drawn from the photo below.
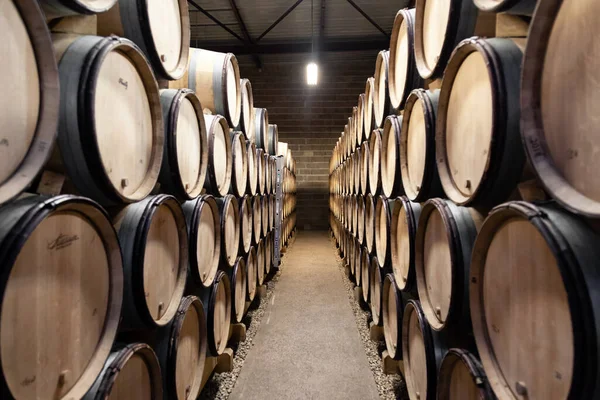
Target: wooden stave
(192, 210)
(394, 350)
(226, 203)
(356, 263)
(116, 361)
(461, 25)
(247, 128)
(382, 58)
(252, 168)
(79, 67)
(256, 220)
(503, 59)
(413, 212)
(274, 174)
(519, 7)
(369, 123)
(251, 274)
(385, 204)
(169, 177)
(237, 276)
(133, 229)
(461, 232)
(167, 348)
(245, 208)
(472, 364)
(358, 189)
(370, 233)
(390, 122)
(272, 139)
(575, 247)
(360, 224)
(238, 184)
(268, 247)
(45, 133)
(264, 204)
(211, 185)
(364, 173)
(261, 128)
(412, 80)
(207, 296)
(61, 8)
(376, 278)
(431, 185)
(30, 212)
(267, 173)
(375, 181)
(360, 124)
(365, 278)
(261, 171)
(260, 257)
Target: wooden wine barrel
(356, 267)
(353, 124)
(261, 128)
(558, 133)
(369, 114)
(391, 177)
(383, 209)
(251, 273)
(376, 278)
(381, 95)
(461, 376)
(260, 154)
(365, 264)
(264, 205)
(246, 227)
(403, 234)
(217, 306)
(360, 217)
(230, 229)
(370, 223)
(357, 160)
(268, 253)
(60, 8)
(439, 27)
(185, 157)
(534, 277)
(260, 258)
(365, 159)
(247, 123)
(204, 232)
(521, 7)
(119, 83)
(267, 172)
(374, 166)
(392, 311)
(69, 241)
(354, 205)
(181, 350)
(272, 139)
(252, 180)
(132, 372)
(239, 169)
(479, 110)
(238, 279)
(256, 219)
(220, 157)
(273, 174)
(29, 116)
(154, 243)
(422, 352)
(445, 236)
(215, 77)
(418, 165)
(360, 115)
(349, 253)
(403, 75)
(161, 31)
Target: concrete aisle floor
(308, 346)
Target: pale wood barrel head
(256, 218)
(207, 244)
(260, 258)
(231, 229)
(382, 230)
(369, 222)
(390, 317)
(239, 294)
(401, 247)
(414, 355)
(166, 28)
(375, 289)
(133, 381)
(251, 273)
(379, 97)
(162, 263)
(222, 313)
(65, 274)
(365, 265)
(416, 150)
(264, 204)
(240, 163)
(189, 146)
(432, 24)
(123, 116)
(191, 353)
(400, 56)
(220, 156)
(246, 223)
(232, 88)
(19, 77)
(252, 168)
(375, 152)
(389, 156)
(457, 382)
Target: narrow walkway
(308, 346)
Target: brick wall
(310, 119)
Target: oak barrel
(534, 277)
(252, 168)
(356, 263)
(238, 279)
(261, 128)
(71, 323)
(262, 184)
(376, 277)
(256, 219)
(220, 157)
(272, 139)
(160, 29)
(381, 95)
(246, 227)
(418, 165)
(132, 372)
(215, 77)
(230, 229)
(217, 306)
(357, 161)
(260, 258)
(267, 172)
(239, 168)
(365, 160)
(374, 165)
(521, 7)
(29, 115)
(369, 114)
(479, 110)
(392, 312)
(360, 216)
(272, 212)
(461, 377)
(264, 205)
(204, 233)
(110, 84)
(60, 8)
(247, 124)
(403, 235)
(364, 266)
(370, 205)
(185, 156)
(360, 115)
(403, 74)
(383, 209)
(391, 177)
(268, 247)
(154, 242)
(251, 273)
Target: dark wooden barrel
(479, 110)
(360, 115)
(268, 253)
(403, 234)
(403, 74)
(262, 184)
(376, 277)
(392, 312)
(422, 353)
(521, 7)
(353, 124)
(60, 8)
(381, 94)
(185, 156)
(370, 206)
(461, 377)
(256, 219)
(418, 165)
(220, 157)
(239, 168)
(364, 266)
(391, 177)
(369, 114)
(534, 276)
(439, 27)
(98, 169)
(264, 205)
(247, 124)
(215, 77)
(71, 323)
(154, 243)
(251, 273)
(356, 263)
(360, 223)
(252, 180)
(29, 116)
(132, 372)
(365, 160)
(374, 167)
(267, 172)
(357, 161)
(230, 229)
(445, 237)
(261, 131)
(274, 174)
(204, 233)
(162, 32)
(383, 216)
(181, 350)
(238, 281)
(354, 205)
(559, 134)
(246, 227)
(272, 139)
(217, 306)
(260, 258)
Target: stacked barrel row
(467, 216)
(289, 187)
(156, 219)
